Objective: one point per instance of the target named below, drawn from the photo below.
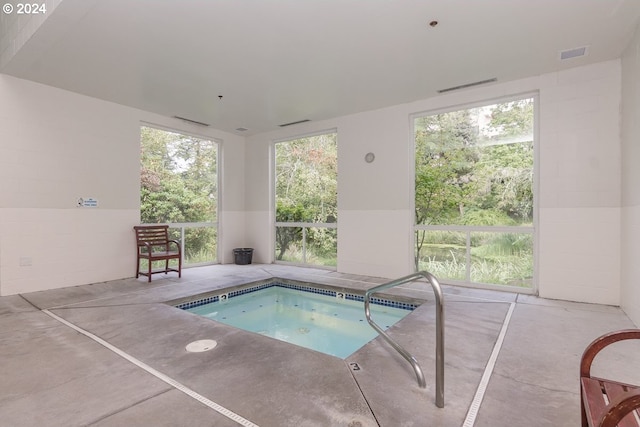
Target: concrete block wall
(578, 208)
(57, 146)
(630, 248)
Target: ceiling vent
(191, 121)
(294, 123)
(481, 82)
(573, 53)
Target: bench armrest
(150, 246)
(177, 243)
(620, 407)
(145, 245)
(600, 343)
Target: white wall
(373, 199)
(579, 191)
(579, 175)
(630, 249)
(57, 146)
(259, 221)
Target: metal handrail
(439, 330)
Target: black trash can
(243, 256)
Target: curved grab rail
(439, 330)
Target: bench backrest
(154, 235)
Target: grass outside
(495, 258)
(294, 254)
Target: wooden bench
(153, 244)
(606, 403)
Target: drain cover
(201, 345)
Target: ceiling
(257, 64)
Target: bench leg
(150, 265)
(583, 411)
(138, 267)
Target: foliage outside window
(474, 169)
(178, 177)
(306, 200)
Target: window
(306, 200)
(474, 198)
(179, 187)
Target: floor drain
(201, 345)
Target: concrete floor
(54, 375)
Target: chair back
(152, 235)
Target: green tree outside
(178, 177)
(306, 191)
(474, 167)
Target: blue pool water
(320, 322)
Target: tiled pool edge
(283, 284)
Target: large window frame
(302, 228)
(180, 230)
(468, 232)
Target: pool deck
(113, 354)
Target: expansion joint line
(355, 367)
(181, 387)
(470, 419)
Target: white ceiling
(280, 61)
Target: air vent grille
(191, 121)
(294, 123)
(573, 53)
(464, 86)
